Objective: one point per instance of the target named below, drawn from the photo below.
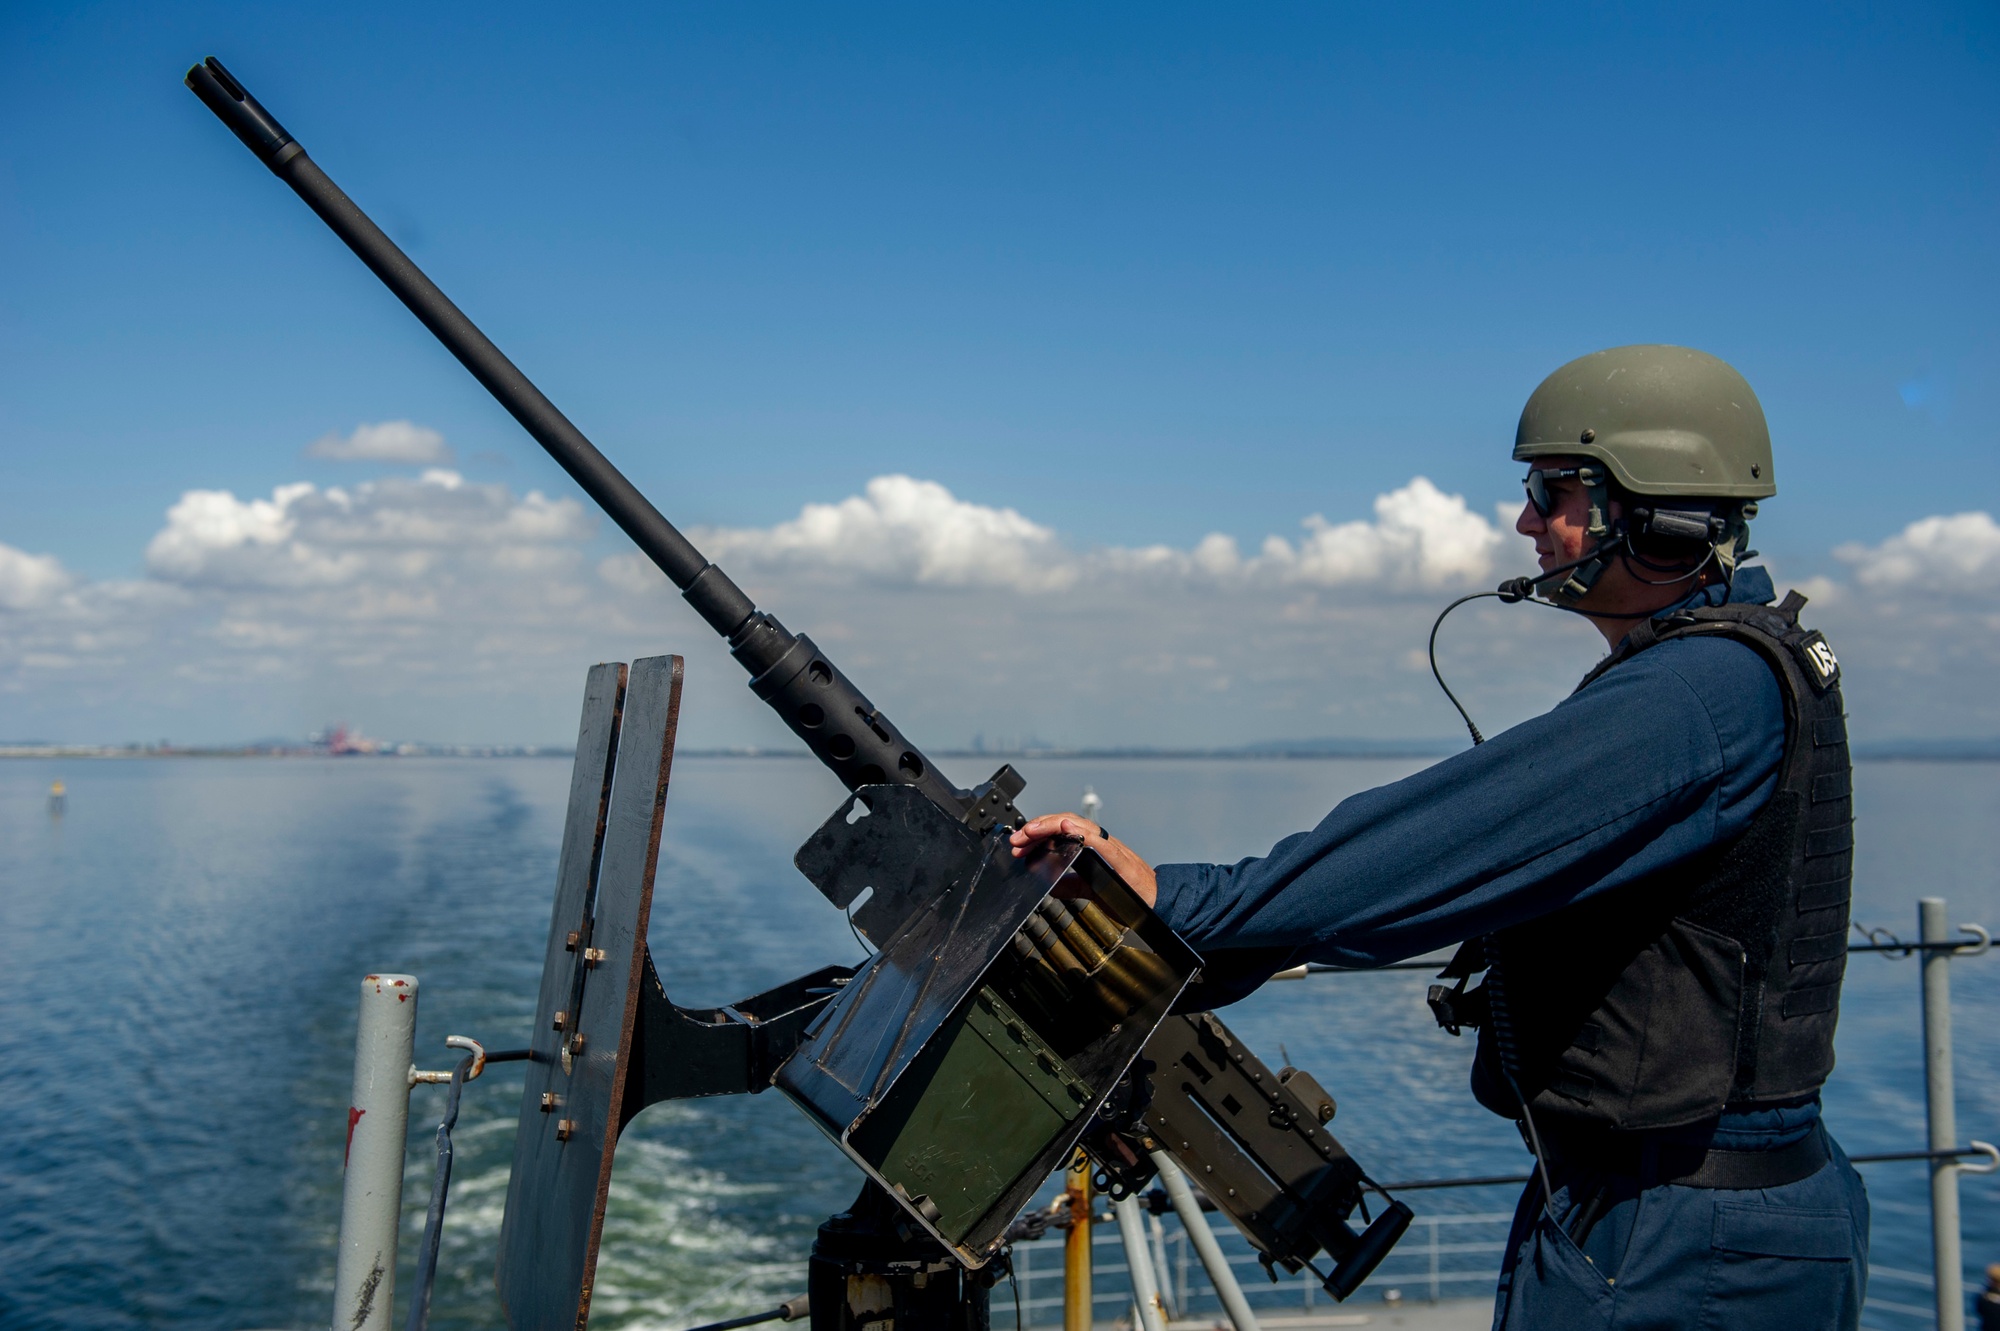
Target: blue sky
(1141, 274)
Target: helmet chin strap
(1566, 583)
(1584, 572)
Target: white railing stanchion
(1205, 1246)
(1139, 1261)
(1435, 1282)
(378, 1120)
(1934, 933)
(1158, 1233)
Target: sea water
(181, 946)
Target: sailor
(1653, 877)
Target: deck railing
(1442, 1257)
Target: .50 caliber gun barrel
(822, 707)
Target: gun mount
(1039, 981)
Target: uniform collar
(1750, 586)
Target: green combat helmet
(1681, 436)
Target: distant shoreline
(137, 751)
(1913, 751)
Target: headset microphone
(1520, 589)
(1515, 590)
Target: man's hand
(1138, 874)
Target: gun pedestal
(870, 1265)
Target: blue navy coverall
(1676, 750)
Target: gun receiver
(787, 670)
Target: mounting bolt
(562, 1019)
(576, 1044)
(550, 1102)
(569, 943)
(565, 1129)
(593, 955)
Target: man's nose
(1530, 523)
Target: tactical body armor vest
(1712, 984)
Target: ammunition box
(967, 1056)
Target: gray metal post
(1205, 1246)
(1942, 1111)
(1158, 1233)
(1435, 1282)
(378, 1120)
(1139, 1261)
(1184, 1287)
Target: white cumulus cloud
(212, 536)
(431, 606)
(1958, 554)
(393, 530)
(1421, 538)
(386, 441)
(906, 530)
(456, 609)
(29, 581)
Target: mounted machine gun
(1042, 983)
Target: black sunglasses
(1536, 483)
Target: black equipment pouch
(1456, 1009)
